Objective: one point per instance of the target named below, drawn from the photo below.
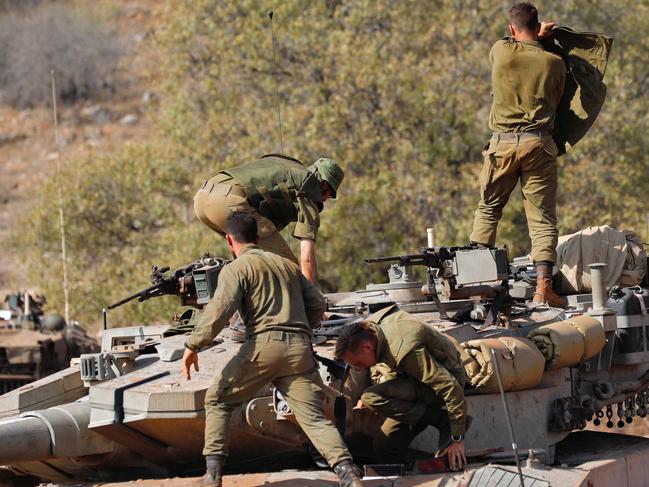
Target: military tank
(34, 344)
(126, 412)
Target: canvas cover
(560, 343)
(622, 251)
(521, 364)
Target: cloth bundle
(521, 364)
(622, 251)
(569, 342)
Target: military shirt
(527, 84)
(284, 191)
(308, 219)
(269, 292)
(409, 347)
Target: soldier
(417, 371)
(277, 190)
(279, 308)
(527, 84)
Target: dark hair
(524, 16)
(242, 226)
(352, 336)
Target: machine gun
(194, 283)
(463, 273)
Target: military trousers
(286, 360)
(221, 195)
(410, 406)
(533, 162)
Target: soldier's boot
(348, 474)
(214, 475)
(544, 292)
(478, 245)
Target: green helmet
(329, 171)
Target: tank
(34, 344)
(126, 412)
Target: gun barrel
(58, 432)
(122, 301)
(24, 439)
(141, 295)
(396, 258)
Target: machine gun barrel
(140, 295)
(409, 259)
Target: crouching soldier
(276, 190)
(279, 308)
(419, 381)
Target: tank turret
(562, 370)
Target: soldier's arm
(308, 264)
(420, 365)
(314, 302)
(225, 302)
(306, 229)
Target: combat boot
(214, 475)
(348, 474)
(544, 292)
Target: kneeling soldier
(279, 308)
(417, 371)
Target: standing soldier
(417, 371)
(528, 82)
(277, 190)
(279, 308)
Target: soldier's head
(240, 231)
(356, 345)
(524, 21)
(331, 176)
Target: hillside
(27, 148)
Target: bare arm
(308, 263)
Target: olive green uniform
(276, 189)
(418, 373)
(528, 83)
(279, 308)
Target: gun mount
(458, 273)
(194, 283)
(461, 270)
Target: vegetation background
(397, 91)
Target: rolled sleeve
(308, 219)
(225, 302)
(420, 365)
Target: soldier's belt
(519, 136)
(282, 335)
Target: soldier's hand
(360, 405)
(456, 456)
(189, 357)
(546, 29)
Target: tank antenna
(60, 196)
(494, 360)
(279, 111)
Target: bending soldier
(419, 381)
(279, 308)
(277, 190)
(527, 84)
